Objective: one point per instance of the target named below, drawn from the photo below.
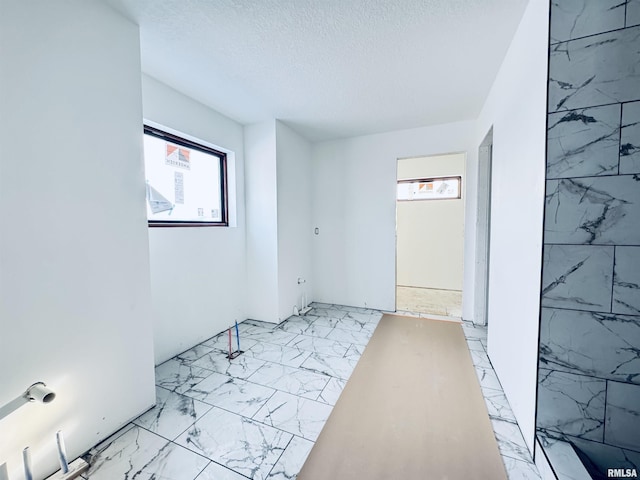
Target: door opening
(430, 235)
(483, 232)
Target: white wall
(430, 233)
(198, 275)
(354, 206)
(75, 303)
(516, 108)
(262, 221)
(294, 219)
(278, 219)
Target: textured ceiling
(329, 68)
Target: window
(186, 181)
(429, 188)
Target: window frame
(430, 179)
(224, 200)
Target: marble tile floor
(258, 416)
(429, 301)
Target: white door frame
(483, 231)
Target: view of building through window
(429, 188)
(186, 182)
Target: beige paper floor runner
(412, 410)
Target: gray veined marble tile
(561, 454)
(348, 308)
(597, 70)
(259, 323)
(488, 378)
(510, 440)
(329, 322)
(241, 367)
(577, 276)
(296, 325)
(475, 345)
(623, 415)
(607, 456)
(633, 13)
(194, 353)
(270, 352)
(332, 366)
(350, 336)
(332, 391)
(220, 343)
(578, 18)
(296, 415)
(480, 359)
(291, 380)
(233, 394)
(238, 443)
(472, 331)
(172, 415)
(356, 325)
(138, 453)
(276, 336)
(321, 305)
(319, 345)
(365, 318)
(355, 351)
(317, 330)
(594, 210)
(218, 472)
(630, 138)
(178, 376)
(583, 143)
(291, 460)
(519, 470)
(360, 321)
(328, 312)
(602, 345)
(571, 404)
(626, 282)
(255, 326)
(498, 405)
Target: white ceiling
(329, 68)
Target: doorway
(483, 232)
(430, 235)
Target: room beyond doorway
(446, 303)
(430, 235)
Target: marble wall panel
(589, 377)
(583, 143)
(626, 281)
(597, 70)
(593, 210)
(579, 18)
(630, 138)
(607, 456)
(623, 415)
(571, 404)
(598, 344)
(577, 277)
(561, 454)
(633, 13)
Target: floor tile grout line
(251, 419)
(279, 457)
(248, 378)
(173, 441)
